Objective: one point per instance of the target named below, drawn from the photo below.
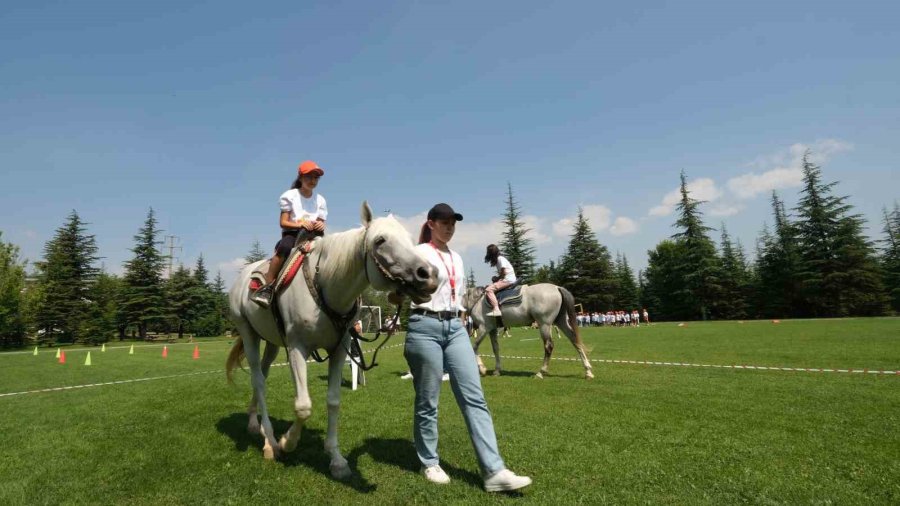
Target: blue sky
(203, 111)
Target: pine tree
(200, 272)
(255, 254)
(734, 280)
(839, 274)
(701, 268)
(100, 324)
(665, 295)
(67, 273)
(586, 269)
(470, 281)
(546, 274)
(143, 301)
(890, 257)
(183, 298)
(212, 306)
(516, 247)
(626, 288)
(12, 284)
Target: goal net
(370, 316)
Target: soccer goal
(370, 316)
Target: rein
(341, 322)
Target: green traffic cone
(35, 351)
(103, 348)
(87, 361)
(57, 353)
(131, 351)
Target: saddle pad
(508, 297)
(288, 270)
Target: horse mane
(343, 252)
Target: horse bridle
(341, 322)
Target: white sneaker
(406, 376)
(504, 481)
(445, 377)
(435, 474)
(495, 312)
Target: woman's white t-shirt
(441, 298)
(503, 263)
(300, 207)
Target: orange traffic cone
(62, 357)
(165, 351)
(196, 352)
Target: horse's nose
(422, 274)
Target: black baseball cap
(443, 212)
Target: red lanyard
(450, 273)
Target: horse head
(392, 264)
(473, 295)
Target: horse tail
(567, 312)
(234, 359)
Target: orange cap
(310, 167)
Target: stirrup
(263, 296)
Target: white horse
(381, 254)
(545, 304)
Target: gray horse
(543, 303)
(381, 254)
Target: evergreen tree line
(815, 262)
(69, 299)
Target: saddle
(288, 270)
(509, 296)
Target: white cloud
(598, 218)
(233, 265)
(704, 189)
(784, 169)
(623, 226)
(723, 209)
(468, 233)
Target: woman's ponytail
(425, 233)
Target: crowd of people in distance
(620, 318)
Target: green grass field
(634, 434)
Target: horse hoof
(496, 372)
(589, 375)
(269, 453)
(340, 470)
(539, 376)
(482, 371)
(286, 446)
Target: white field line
(713, 366)
(152, 378)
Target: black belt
(438, 315)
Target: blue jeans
(432, 347)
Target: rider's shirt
(300, 207)
(503, 263)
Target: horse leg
(339, 467)
(478, 338)
(258, 380)
(546, 330)
(267, 359)
(495, 344)
(579, 347)
(302, 402)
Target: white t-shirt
(441, 298)
(301, 207)
(503, 263)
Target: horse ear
(365, 213)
